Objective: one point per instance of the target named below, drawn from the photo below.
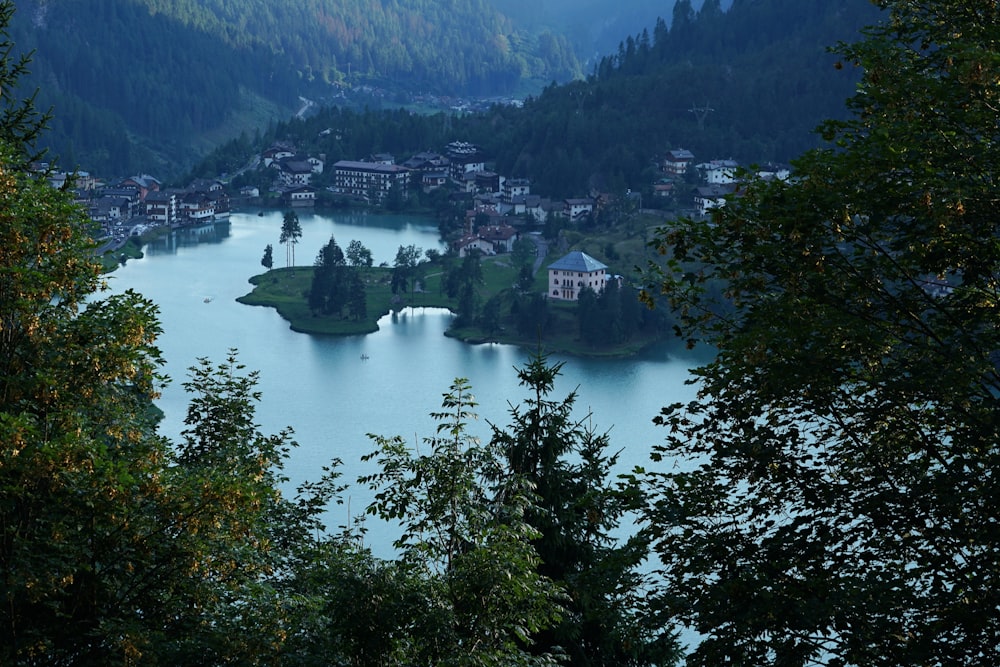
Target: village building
(299, 195)
(145, 184)
(501, 237)
(80, 180)
(130, 193)
(432, 180)
(569, 275)
(712, 196)
(161, 207)
(771, 171)
(275, 153)
(369, 181)
(579, 207)
(718, 171)
(663, 189)
(482, 216)
(677, 162)
(427, 161)
(196, 208)
(293, 173)
(317, 163)
(464, 158)
(205, 185)
(110, 209)
(473, 243)
(488, 182)
(514, 188)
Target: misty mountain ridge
(154, 85)
(146, 81)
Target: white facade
(368, 180)
(569, 275)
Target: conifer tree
(833, 493)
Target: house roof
(716, 190)
(577, 261)
(353, 165)
(297, 167)
(497, 232)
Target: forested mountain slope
(594, 27)
(751, 83)
(135, 83)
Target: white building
(370, 181)
(570, 274)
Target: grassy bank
(286, 291)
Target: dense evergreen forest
(594, 27)
(149, 85)
(751, 84)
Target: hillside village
(498, 209)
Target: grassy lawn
(285, 290)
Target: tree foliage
(106, 67)
(463, 526)
(337, 284)
(291, 232)
(578, 512)
(115, 546)
(835, 495)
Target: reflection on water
(335, 391)
(188, 236)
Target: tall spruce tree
(480, 597)
(578, 512)
(291, 232)
(834, 496)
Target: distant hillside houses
(496, 205)
(718, 171)
(717, 180)
(677, 161)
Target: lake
(333, 391)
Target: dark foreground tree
(115, 547)
(578, 512)
(833, 498)
(21, 123)
(476, 595)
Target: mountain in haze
(151, 84)
(593, 27)
(154, 85)
(751, 84)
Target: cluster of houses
(496, 203)
(131, 205)
(717, 179)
